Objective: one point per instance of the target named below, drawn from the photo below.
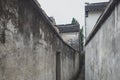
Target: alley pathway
(82, 75)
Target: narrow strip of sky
(64, 10)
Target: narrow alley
(34, 47)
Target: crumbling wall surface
(103, 50)
(29, 43)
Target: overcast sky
(64, 10)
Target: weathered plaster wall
(69, 36)
(103, 50)
(29, 43)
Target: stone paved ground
(82, 75)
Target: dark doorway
(58, 66)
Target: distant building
(70, 33)
(92, 13)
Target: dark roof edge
(44, 15)
(67, 24)
(104, 16)
(96, 6)
(97, 3)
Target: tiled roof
(96, 6)
(68, 28)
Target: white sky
(64, 10)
